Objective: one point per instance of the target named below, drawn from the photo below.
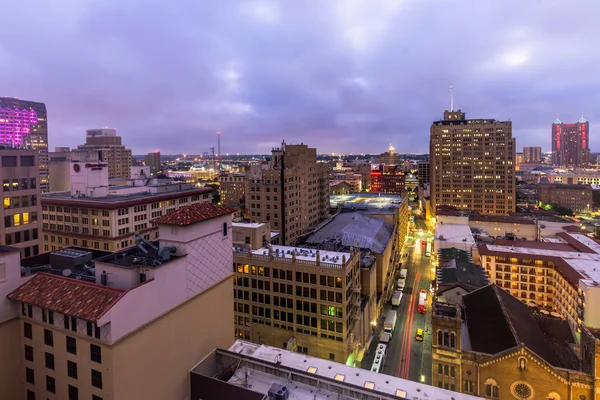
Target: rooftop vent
(278, 392)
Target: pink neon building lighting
(15, 124)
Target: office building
(472, 164)
(387, 179)
(233, 190)
(423, 172)
(571, 143)
(532, 154)
(577, 198)
(390, 157)
(249, 371)
(152, 160)
(81, 331)
(307, 299)
(110, 150)
(492, 345)
(20, 217)
(25, 124)
(59, 166)
(577, 177)
(291, 191)
(97, 216)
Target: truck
(390, 322)
(396, 298)
(401, 284)
(403, 273)
(385, 338)
(422, 301)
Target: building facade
(532, 154)
(577, 198)
(25, 124)
(97, 216)
(152, 160)
(291, 191)
(571, 143)
(423, 172)
(390, 157)
(473, 164)
(299, 299)
(109, 148)
(387, 179)
(20, 217)
(233, 190)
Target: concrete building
(249, 371)
(571, 143)
(233, 190)
(574, 197)
(387, 179)
(492, 345)
(351, 178)
(302, 299)
(20, 218)
(88, 338)
(519, 159)
(109, 148)
(25, 124)
(473, 164)
(423, 172)
(152, 160)
(576, 177)
(98, 216)
(532, 154)
(340, 188)
(291, 191)
(60, 166)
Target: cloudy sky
(343, 76)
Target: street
(406, 357)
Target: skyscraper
(472, 164)
(109, 148)
(571, 143)
(291, 191)
(24, 124)
(532, 154)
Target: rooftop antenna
(212, 150)
(219, 145)
(451, 99)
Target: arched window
(446, 339)
(453, 372)
(491, 388)
(452, 340)
(439, 368)
(522, 363)
(446, 370)
(439, 338)
(553, 396)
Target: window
(48, 338)
(224, 229)
(95, 353)
(97, 379)
(50, 361)
(50, 384)
(94, 397)
(73, 393)
(522, 363)
(72, 369)
(71, 345)
(27, 330)
(29, 376)
(331, 356)
(30, 395)
(28, 353)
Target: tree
(216, 195)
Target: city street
(406, 357)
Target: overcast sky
(342, 76)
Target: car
(419, 335)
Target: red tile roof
(194, 213)
(68, 296)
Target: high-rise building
(25, 124)
(291, 191)
(472, 164)
(75, 329)
(387, 179)
(233, 189)
(20, 218)
(109, 148)
(423, 172)
(152, 160)
(532, 154)
(571, 143)
(389, 157)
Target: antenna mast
(451, 99)
(219, 145)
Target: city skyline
(329, 75)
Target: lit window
(370, 385)
(339, 377)
(16, 220)
(312, 370)
(25, 218)
(401, 393)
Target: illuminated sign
(15, 123)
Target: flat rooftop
(454, 233)
(365, 201)
(328, 375)
(304, 254)
(133, 257)
(248, 224)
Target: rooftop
(456, 267)
(148, 254)
(194, 213)
(248, 224)
(304, 254)
(347, 230)
(68, 296)
(366, 201)
(310, 378)
(73, 262)
(454, 233)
